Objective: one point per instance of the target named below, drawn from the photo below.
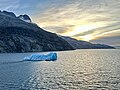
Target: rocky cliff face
(79, 44)
(17, 35)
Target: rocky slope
(17, 35)
(79, 44)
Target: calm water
(74, 70)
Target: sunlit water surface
(74, 70)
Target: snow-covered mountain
(17, 35)
(25, 18)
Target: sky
(97, 21)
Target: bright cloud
(90, 20)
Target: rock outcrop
(25, 18)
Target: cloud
(59, 29)
(9, 5)
(113, 40)
(19, 6)
(101, 30)
(69, 17)
(62, 17)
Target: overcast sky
(97, 21)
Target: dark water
(74, 70)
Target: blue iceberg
(41, 57)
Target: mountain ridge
(17, 35)
(79, 44)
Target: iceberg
(41, 57)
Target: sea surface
(73, 70)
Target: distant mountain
(79, 44)
(17, 35)
(118, 47)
